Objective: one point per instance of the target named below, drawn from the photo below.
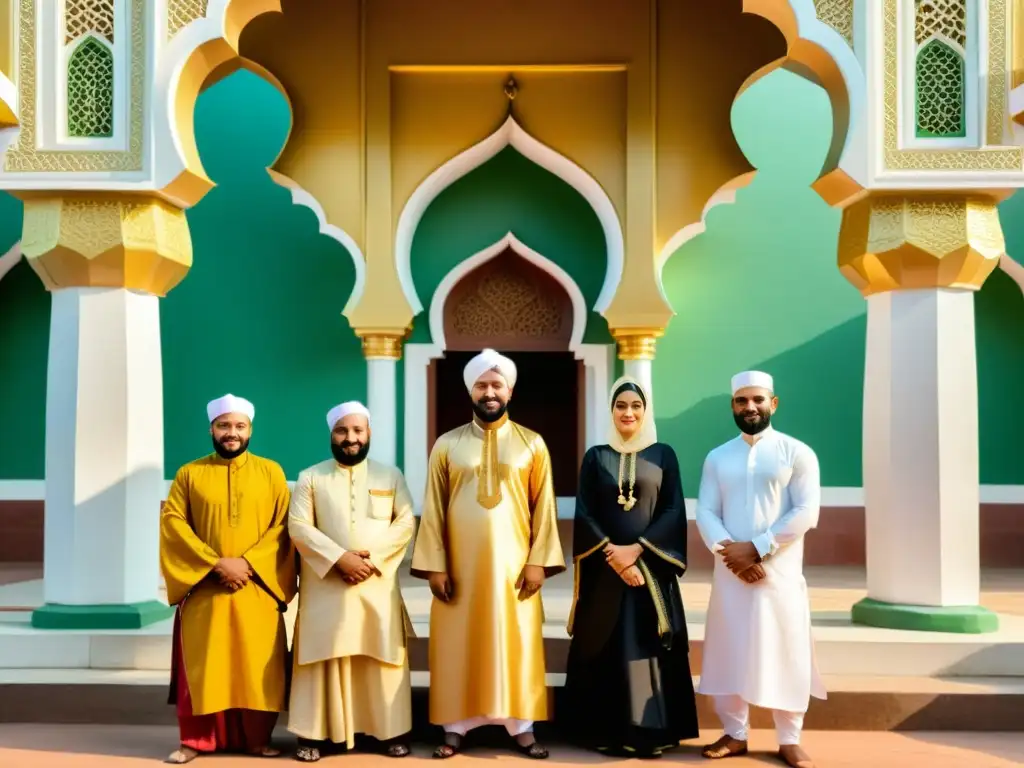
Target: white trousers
(513, 726)
(734, 713)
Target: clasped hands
(530, 580)
(233, 572)
(741, 557)
(622, 558)
(355, 566)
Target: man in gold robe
(230, 570)
(488, 539)
(351, 520)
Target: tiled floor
(133, 747)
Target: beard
(753, 427)
(486, 416)
(230, 453)
(339, 451)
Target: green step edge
(963, 620)
(118, 616)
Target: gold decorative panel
(838, 14)
(511, 303)
(181, 13)
(987, 159)
(82, 17)
(24, 156)
(941, 18)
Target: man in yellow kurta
(488, 538)
(230, 570)
(351, 520)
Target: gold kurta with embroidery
(351, 666)
(233, 643)
(489, 510)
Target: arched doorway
(514, 306)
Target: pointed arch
(510, 134)
(90, 98)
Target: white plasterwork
(597, 358)
(510, 134)
(1013, 269)
(907, 91)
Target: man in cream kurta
(351, 520)
(488, 539)
(759, 494)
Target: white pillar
(382, 400)
(641, 371)
(921, 472)
(104, 460)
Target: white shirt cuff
(765, 544)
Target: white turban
(339, 412)
(484, 362)
(752, 379)
(229, 404)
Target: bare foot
(265, 751)
(793, 755)
(182, 755)
(726, 746)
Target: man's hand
(739, 556)
(620, 557)
(234, 572)
(441, 586)
(530, 581)
(632, 576)
(753, 574)
(353, 566)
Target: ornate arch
(510, 134)
(202, 51)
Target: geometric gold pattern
(90, 83)
(114, 240)
(84, 16)
(181, 13)
(891, 242)
(837, 14)
(942, 19)
(24, 156)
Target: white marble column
(382, 353)
(641, 371)
(104, 460)
(921, 472)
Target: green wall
(509, 193)
(259, 314)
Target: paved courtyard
(33, 746)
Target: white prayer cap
(339, 412)
(752, 379)
(229, 404)
(484, 362)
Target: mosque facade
(584, 185)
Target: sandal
(451, 747)
(182, 755)
(307, 754)
(533, 750)
(397, 750)
(726, 746)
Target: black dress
(628, 687)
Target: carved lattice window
(90, 77)
(83, 17)
(940, 70)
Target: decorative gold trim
(838, 14)
(664, 556)
(664, 627)
(23, 156)
(576, 581)
(382, 346)
(637, 343)
(987, 159)
(181, 13)
(383, 493)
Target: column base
(961, 619)
(116, 616)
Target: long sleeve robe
(489, 510)
(233, 644)
(757, 640)
(628, 676)
(351, 665)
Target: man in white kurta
(351, 520)
(759, 494)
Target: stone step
(841, 648)
(875, 703)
